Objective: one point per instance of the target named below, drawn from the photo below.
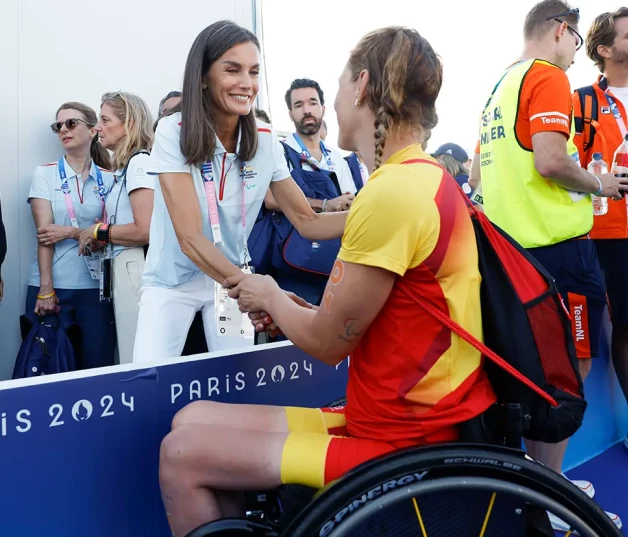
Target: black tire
(233, 527)
(510, 467)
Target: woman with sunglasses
(66, 196)
(215, 164)
(125, 128)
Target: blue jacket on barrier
(45, 350)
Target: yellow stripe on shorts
(305, 420)
(313, 420)
(303, 459)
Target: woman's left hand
(52, 234)
(86, 239)
(253, 291)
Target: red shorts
(319, 450)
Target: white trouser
(128, 266)
(167, 314)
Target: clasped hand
(255, 295)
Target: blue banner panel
(79, 456)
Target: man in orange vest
(601, 125)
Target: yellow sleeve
(390, 227)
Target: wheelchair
(466, 489)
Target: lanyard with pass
(230, 321)
(310, 159)
(616, 113)
(93, 263)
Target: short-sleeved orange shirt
(545, 104)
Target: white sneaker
(559, 525)
(584, 486)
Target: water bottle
(598, 167)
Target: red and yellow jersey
(614, 224)
(410, 378)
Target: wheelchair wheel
(234, 527)
(457, 489)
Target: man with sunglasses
(601, 124)
(534, 188)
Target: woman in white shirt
(66, 196)
(213, 157)
(125, 127)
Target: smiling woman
(215, 164)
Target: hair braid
(382, 124)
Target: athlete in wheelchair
(412, 383)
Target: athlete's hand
(265, 323)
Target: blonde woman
(125, 127)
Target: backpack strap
(464, 334)
(585, 124)
(142, 152)
(292, 157)
(356, 172)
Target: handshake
(258, 296)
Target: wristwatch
(103, 233)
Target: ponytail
(100, 155)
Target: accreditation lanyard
(307, 157)
(616, 113)
(207, 174)
(68, 198)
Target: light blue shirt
(166, 265)
(118, 204)
(69, 270)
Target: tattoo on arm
(350, 331)
(336, 276)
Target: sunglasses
(574, 11)
(70, 124)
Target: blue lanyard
(616, 113)
(309, 158)
(64, 180)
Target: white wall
(72, 50)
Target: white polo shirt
(118, 201)
(69, 270)
(166, 265)
(341, 167)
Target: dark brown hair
(98, 153)
(602, 34)
(405, 76)
(198, 119)
(537, 23)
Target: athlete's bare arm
(353, 297)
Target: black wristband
(103, 234)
